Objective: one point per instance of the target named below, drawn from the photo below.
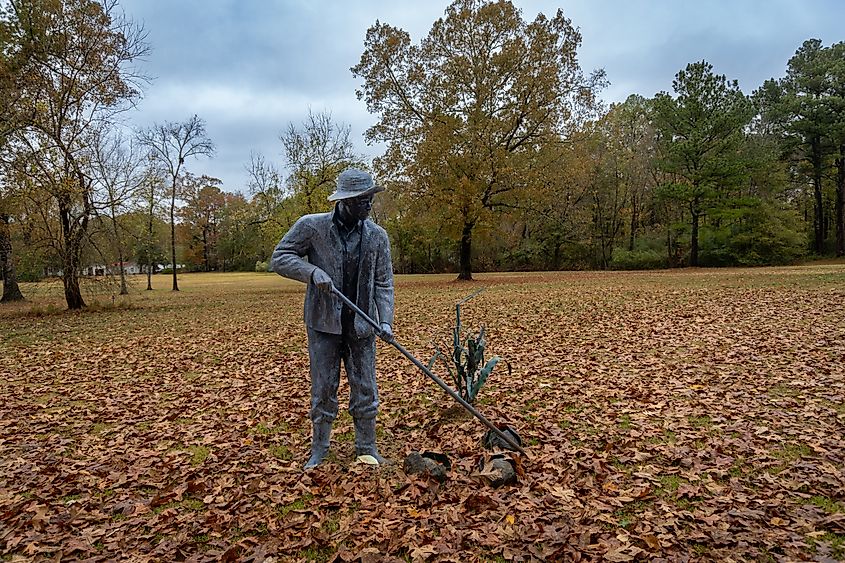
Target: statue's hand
(322, 280)
(386, 332)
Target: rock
(430, 464)
(492, 441)
(497, 469)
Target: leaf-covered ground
(694, 415)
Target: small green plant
(470, 369)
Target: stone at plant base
(431, 464)
(497, 469)
(492, 441)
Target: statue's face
(359, 207)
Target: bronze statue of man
(342, 249)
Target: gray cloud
(250, 67)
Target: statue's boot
(365, 439)
(320, 439)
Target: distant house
(130, 268)
(111, 269)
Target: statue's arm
(384, 283)
(288, 257)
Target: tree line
(499, 155)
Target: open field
(676, 415)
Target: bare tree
(151, 192)
(315, 153)
(117, 177)
(265, 185)
(170, 144)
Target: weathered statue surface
(342, 249)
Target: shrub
(262, 266)
(638, 259)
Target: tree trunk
(72, 249)
(556, 255)
(173, 235)
(70, 280)
(634, 220)
(150, 240)
(669, 252)
(123, 288)
(818, 216)
(11, 291)
(205, 250)
(693, 253)
(119, 244)
(840, 202)
(465, 264)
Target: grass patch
(316, 554)
(836, 542)
(737, 468)
(530, 404)
(827, 504)
(700, 421)
(838, 407)
(46, 398)
(627, 515)
(263, 429)
(331, 525)
(198, 454)
(668, 437)
(793, 452)
(347, 436)
(625, 422)
(298, 504)
(621, 466)
(101, 427)
(212, 360)
(191, 376)
(187, 504)
(670, 483)
(280, 452)
(783, 390)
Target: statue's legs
(324, 351)
(359, 359)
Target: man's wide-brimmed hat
(354, 183)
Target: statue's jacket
(315, 242)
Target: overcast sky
(250, 67)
